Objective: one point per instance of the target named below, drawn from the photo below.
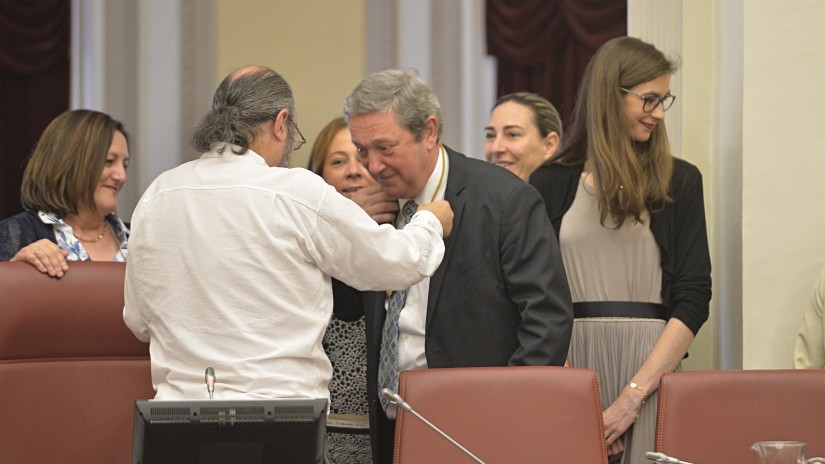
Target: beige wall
(783, 195)
(762, 154)
(318, 46)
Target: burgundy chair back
(70, 369)
(502, 415)
(709, 417)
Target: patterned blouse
(67, 241)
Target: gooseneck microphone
(210, 381)
(662, 457)
(396, 399)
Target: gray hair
(247, 98)
(412, 99)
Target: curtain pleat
(543, 46)
(34, 83)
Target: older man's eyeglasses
(298, 143)
(651, 102)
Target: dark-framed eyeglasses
(298, 143)
(651, 102)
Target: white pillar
(660, 23)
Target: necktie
(388, 362)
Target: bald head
(246, 98)
(246, 70)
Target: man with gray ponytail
(231, 254)
(244, 101)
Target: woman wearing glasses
(631, 225)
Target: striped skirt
(615, 348)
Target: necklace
(441, 177)
(92, 240)
(437, 187)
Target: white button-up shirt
(413, 318)
(229, 268)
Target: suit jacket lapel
(456, 181)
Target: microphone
(662, 457)
(210, 381)
(396, 399)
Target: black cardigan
(20, 230)
(25, 228)
(679, 230)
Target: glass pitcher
(783, 452)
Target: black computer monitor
(277, 431)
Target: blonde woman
(335, 159)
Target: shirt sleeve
(350, 246)
(132, 311)
(809, 352)
(691, 286)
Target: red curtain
(34, 83)
(543, 46)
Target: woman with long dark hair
(631, 225)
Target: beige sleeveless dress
(616, 265)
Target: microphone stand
(662, 457)
(396, 399)
(209, 377)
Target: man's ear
(280, 128)
(431, 132)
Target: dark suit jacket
(500, 296)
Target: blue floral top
(67, 241)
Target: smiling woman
(630, 221)
(70, 192)
(341, 167)
(335, 158)
(523, 133)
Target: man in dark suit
(499, 297)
